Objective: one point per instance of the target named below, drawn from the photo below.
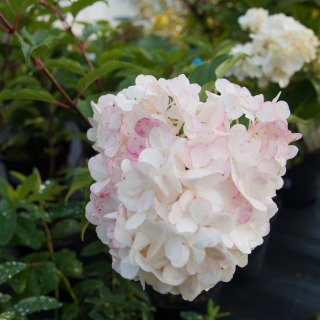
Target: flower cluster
(280, 46)
(183, 192)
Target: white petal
(135, 221)
(212, 276)
(173, 276)
(173, 248)
(206, 237)
(128, 270)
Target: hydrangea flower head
(279, 48)
(183, 192)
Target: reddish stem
(4, 29)
(6, 23)
(60, 104)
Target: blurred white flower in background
(280, 46)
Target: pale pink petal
(173, 276)
(201, 155)
(206, 237)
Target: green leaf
(8, 219)
(28, 233)
(111, 55)
(38, 212)
(294, 119)
(66, 64)
(26, 187)
(85, 108)
(71, 312)
(4, 298)
(93, 249)
(34, 304)
(77, 6)
(201, 44)
(65, 210)
(67, 263)
(40, 41)
(48, 277)
(9, 269)
(19, 281)
(90, 29)
(36, 257)
(8, 315)
(86, 286)
(66, 228)
(97, 268)
(20, 5)
(26, 94)
(106, 68)
(206, 87)
(18, 175)
(139, 292)
(4, 186)
(153, 42)
(207, 71)
(147, 315)
(191, 315)
(84, 221)
(304, 105)
(224, 67)
(83, 181)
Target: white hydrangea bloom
(253, 19)
(279, 48)
(179, 211)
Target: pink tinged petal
(212, 276)
(187, 225)
(161, 138)
(128, 270)
(222, 222)
(283, 110)
(145, 200)
(175, 214)
(220, 148)
(102, 233)
(189, 102)
(201, 155)
(135, 146)
(293, 152)
(221, 85)
(197, 255)
(162, 104)
(240, 241)
(142, 262)
(206, 237)
(98, 186)
(114, 121)
(135, 221)
(214, 197)
(183, 259)
(267, 112)
(173, 248)
(185, 199)
(118, 245)
(127, 125)
(152, 156)
(256, 203)
(173, 276)
(98, 167)
(110, 229)
(91, 213)
(200, 210)
(228, 190)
